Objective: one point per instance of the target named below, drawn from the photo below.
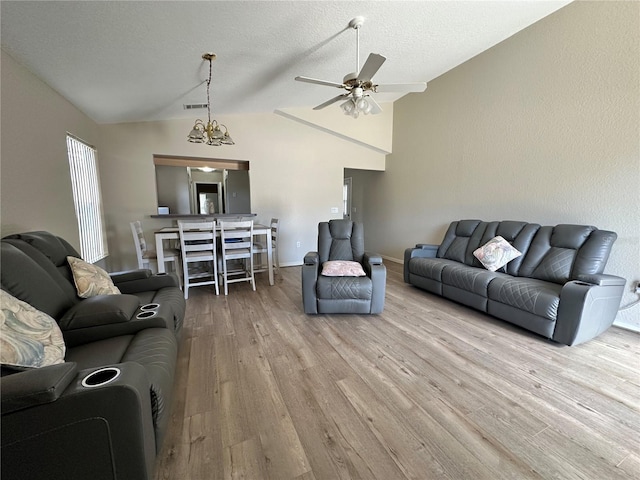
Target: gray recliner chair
(342, 240)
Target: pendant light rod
(211, 134)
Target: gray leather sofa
(103, 413)
(342, 240)
(555, 289)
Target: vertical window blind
(83, 165)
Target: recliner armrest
(377, 271)
(372, 258)
(587, 309)
(427, 246)
(129, 275)
(36, 386)
(107, 316)
(310, 271)
(311, 258)
(86, 432)
(601, 279)
(149, 284)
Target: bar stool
(236, 243)
(147, 258)
(260, 248)
(199, 254)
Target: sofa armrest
(587, 309)
(36, 386)
(85, 432)
(602, 279)
(428, 247)
(149, 284)
(129, 275)
(310, 270)
(107, 316)
(421, 250)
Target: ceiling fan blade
(370, 67)
(375, 108)
(319, 82)
(329, 102)
(401, 87)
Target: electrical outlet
(297, 244)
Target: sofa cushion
(90, 279)
(538, 297)
(472, 279)
(496, 253)
(28, 337)
(430, 268)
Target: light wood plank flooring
(427, 390)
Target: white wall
(35, 180)
(295, 171)
(543, 128)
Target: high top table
(172, 233)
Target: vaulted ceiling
(121, 61)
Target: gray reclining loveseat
(104, 411)
(556, 288)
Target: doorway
(346, 198)
(208, 197)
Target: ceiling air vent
(194, 106)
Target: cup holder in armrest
(150, 306)
(146, 314)
(101, 377)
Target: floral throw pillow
(91, 280)
(342, 268)
(496, 253)
(28, 337)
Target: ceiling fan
(359, 86)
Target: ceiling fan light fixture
(348, 107)
(355, 106)
(359, 84)
(209, 133)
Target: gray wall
(172, 185)
(541, 128)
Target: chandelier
(209, 133)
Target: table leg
(270, 259)
(160, 253)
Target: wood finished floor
(427, 390)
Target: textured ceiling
(120, 61)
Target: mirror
(202, 190)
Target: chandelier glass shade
(209, 133)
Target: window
(83, 165)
